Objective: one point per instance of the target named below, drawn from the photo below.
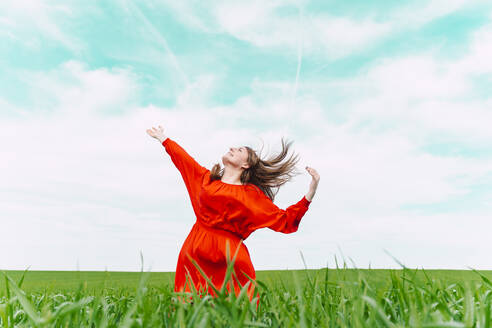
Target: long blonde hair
(266, 174)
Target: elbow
(295, 225)
(290, 227)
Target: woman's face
(236, 156)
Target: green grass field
(66, 281)
(290, 298)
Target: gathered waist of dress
(222, 232)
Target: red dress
(224, 212)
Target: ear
(245, 166)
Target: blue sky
(391, 103)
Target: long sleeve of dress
(190, 170)
(268, 215)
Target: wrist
(309, 195)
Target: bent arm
(269, 215)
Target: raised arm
(190, 170)
(268, 215)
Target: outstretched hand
(157, 133)
(313, 173)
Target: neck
(231, 176)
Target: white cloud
(477, 61)
(197, 92)
(73, 88)
(260, 25)
(339, 37)
(425, 95)
(320, 33)
(187, 13)
(25, 16)
(418, 13)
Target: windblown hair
(266, 174)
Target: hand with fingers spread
(157, 133)
(314, 183)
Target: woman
(230, 204)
